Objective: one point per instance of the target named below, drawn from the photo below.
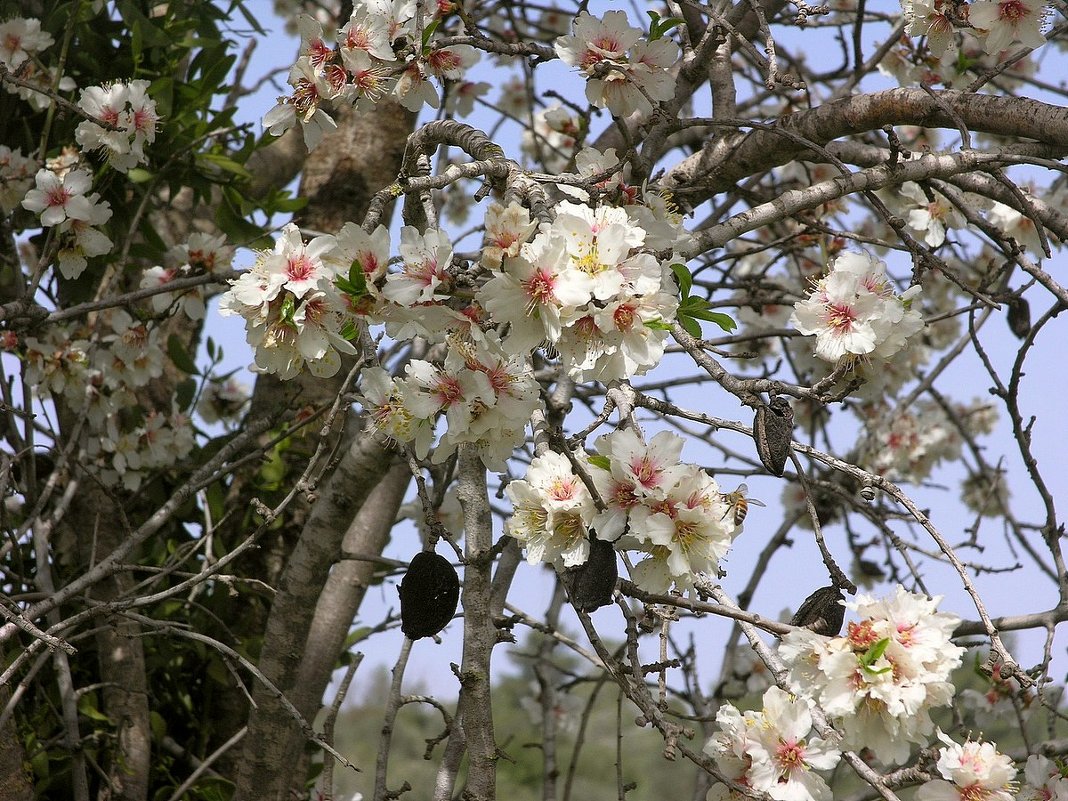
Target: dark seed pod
(821, 612)
(773, 429)
(429, 593)
(1019, 317)
(591, 585)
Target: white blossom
(57, 199)
(854, 311)
(771, 751)
(879, 681)
(974, 771)
(20, 38)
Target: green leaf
(289, 308)
(180, 356)
(428, 31)
(225, 164)
(357, 277)
(602, 462)
(218, 673)
(690, 326)
(162, 91)
(668, 25)
(250, 18)
(873, 655)
(216, 498)
(87, 708)
(184, 393)
(699, 309)
(139, 175)
(724, 321)
(356, 635)
(683, 278)
(661, 25)
(158, 724)
(232, 222)
(39, 764)
(356, 284)
(349, 331)
(658, 325)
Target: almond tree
(496, 304)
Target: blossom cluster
(200, 254)
(553, 138)
(624, 72)
(61, 200)
(99, 379)
(124, 121)
(1044, 780)
(16, 176)
(673, 515)
(771, 750)
(880, 681)
(294, 313)
(222, 399)
(999, 23)
(855, 312)
(970, 771)
(486, 396)
(552, 512)
(21, 38)
(129, 454)
(370, 57)
(585, 284)
(907, 442)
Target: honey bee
(738, 503)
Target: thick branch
(725, 161)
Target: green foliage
(659, 26)
(187, 52)
(693, 308)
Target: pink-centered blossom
(880, 680)
(21, 38)
(552, 512)
(972, 771)
(1008, 21)
(854, 311)
(57, 199)
(426, 258)
(771, 750)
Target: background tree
(685, 228)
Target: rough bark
(344, 592)
(339, 178)
(476, 712)
(14, 778)
(125, 696)
(263, 773)
(726, 160)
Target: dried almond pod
(773, 429)
(821, 612)
(591, 585)
(1019, 317)
(429, 593)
